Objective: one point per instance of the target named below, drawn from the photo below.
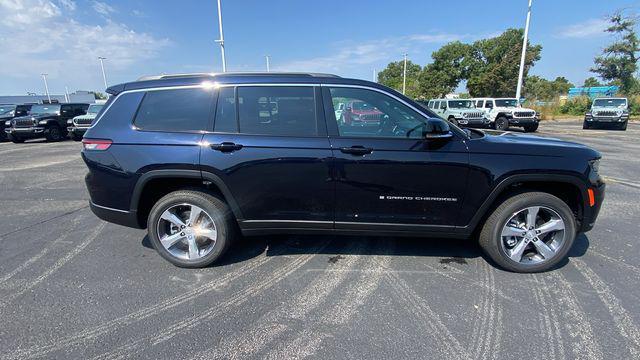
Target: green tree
(591, 82)
(619, 61)
(538, 88)
(392, 76)
(493, 69)
(98, 95)
(450, 66)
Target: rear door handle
(356, 150)
(226, 147)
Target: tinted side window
(175, 110)
(443, 105)
(479, 103)
(488, 104)
(226, 111)
(277, 110)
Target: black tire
(453, 121)
(53, 133)
(531, 128)
(586, 126)
(490, 236)
(501, 123)
(76, 137)
(15, 139)
(215, 207)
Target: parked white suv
(461, 112)
(505, 112)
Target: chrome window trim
(204, 85)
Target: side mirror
(436, 129)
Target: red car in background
(360, 113)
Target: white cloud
(349, 56)
(68, 4)
(103, 8)
(586, 29)
(63, 47)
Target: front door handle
(356, 150)
(226, 147)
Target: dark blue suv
(201, 159)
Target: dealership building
(78, 97)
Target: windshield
(362, 106)
(7, 109)
(461, 104)
(45, 109)
(506, 103)
(94, 109)
(619, 103)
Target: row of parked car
(54, 122)
(502, 113)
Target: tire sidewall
(54, 133)
(502, 120)
(218, 211)
(540, 199)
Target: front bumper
(522, 121)
(607, 120)
(33, 131)
(473, 121)
(591, 212)
(77, 130)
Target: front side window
(488, 104)
(277, 110)
(225, 121)
(175, 110)
(94, 109)
(443, 105)
(479, 103)
(506, 103)
(373, 114)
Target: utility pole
(104, 76)
(66, 94)
(524, 53)
(221, 40)
(46, 86)
(404, 75)
(374, 77)
(268, 58)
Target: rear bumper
(116, 216)
(591, 212)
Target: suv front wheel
(53, 133)
(529, 232)
(190, 228)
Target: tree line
(490, 67)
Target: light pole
(404, 74)
(268, 58)
(46, 86)
(66, 94)
(221, 40)
(375, 76)
(104, 76)
(524, 53)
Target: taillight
(96, 144)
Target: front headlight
(595, 165)
(42, 122)
(70, 121)
(510, 113)
(7, 123)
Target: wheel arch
(569, 189)
(154, 184)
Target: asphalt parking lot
(72, 286)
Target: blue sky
(350, 38)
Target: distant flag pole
(524, 54)
(404, 75)
(221, 40)
(268, 58)
(374, 75)
(46, 86)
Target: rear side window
(175, 110)
(277, 110)
(226, 111)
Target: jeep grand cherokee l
(196, 161)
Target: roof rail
(190, 75)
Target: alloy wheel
(533, 235)
(187, 231)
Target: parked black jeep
(44, 120)
(8, 112)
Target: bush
(576, 106)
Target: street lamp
(221, 40)
(104, 76)
(524, 53)
(268, 58)
(46, 86)
(404, 74)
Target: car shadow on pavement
(444, 250)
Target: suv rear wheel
(529, 232)
(190, 228)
